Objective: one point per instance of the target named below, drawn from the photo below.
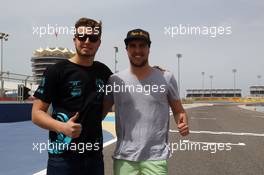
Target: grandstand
(42, 58)
(203, 93)
(256, 91)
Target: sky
(239, 47)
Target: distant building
(42, 58)
(256, 91)
(200, 93)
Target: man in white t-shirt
(142, 96)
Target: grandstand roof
(53, 52)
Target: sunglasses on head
(83, 37)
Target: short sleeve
(173, 92)
(102, 67)
(109, 96)
(47, 86)
(108, 72)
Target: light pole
(116, 50)
(211, 78)
(234, 71)
(3, 36)
(259, 77)
(179, 82)
(203, 73)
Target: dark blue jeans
(91, 164)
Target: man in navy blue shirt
(72, 87)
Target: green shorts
(148, 167)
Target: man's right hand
(72, 129)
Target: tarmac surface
(224, 140)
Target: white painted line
(195, 105)
(204, 118)
(223, 133)
(214, 143)
(258, 116)
(200, 112)
(109, 142)
(44, 172)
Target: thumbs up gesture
(183, 124)
(71, 128)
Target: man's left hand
(183, 124)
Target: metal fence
(10, 83)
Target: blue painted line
(109, 118)
(16, 148)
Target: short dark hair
(87, 22)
